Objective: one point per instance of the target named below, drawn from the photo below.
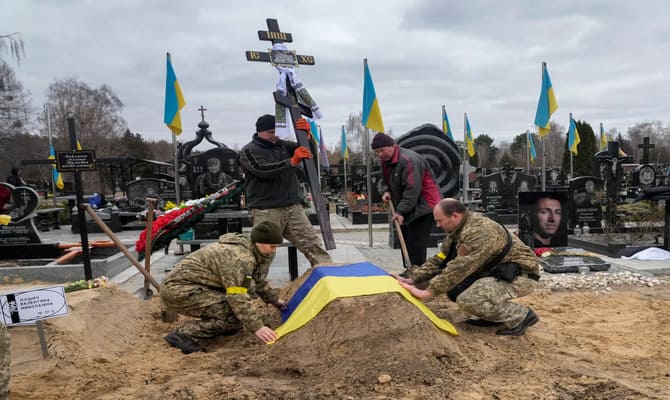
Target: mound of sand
(587, 345)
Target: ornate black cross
(645, 146)
(289, 58)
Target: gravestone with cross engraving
(285, 96)
(644, 175)
(608, 165)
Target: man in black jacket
(272, 189)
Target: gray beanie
(266, 232)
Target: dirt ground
(587, 345)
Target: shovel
(148, 293)
(401, 238)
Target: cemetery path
(588, 344)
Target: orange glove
(300, 154)
(303, 125)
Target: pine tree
(587, 147)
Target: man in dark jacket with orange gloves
(272, 189)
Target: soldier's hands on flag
(400, 279)
(280, 305)
(416, 292)
(266, 334)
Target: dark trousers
(417, 236)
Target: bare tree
(15, 105)
(13, 44)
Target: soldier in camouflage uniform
(272, 189)
(5, 358)
(473, 269)
(214, 283)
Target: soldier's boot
(185, 344)
(481, 322)
(530, 320)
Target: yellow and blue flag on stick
(328, 283)
(603, 138)
(446, 128)
(469, 139)
(573, 136)
(546, 105)
(531, 146)
(323, 153)
(314, 128)
(345, 148)
(372, 114)
(58, 178)
(174, 100)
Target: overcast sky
(608, 61)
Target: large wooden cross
(645, 146)
(297, 110)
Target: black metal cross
(202, 111)
(645, 146)
(289, 58)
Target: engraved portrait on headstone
(587, 193)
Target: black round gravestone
(440, 151)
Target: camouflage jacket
(484, 239)
(232, 266)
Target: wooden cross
(645, 146)
(289, 58)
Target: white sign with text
(33, 305)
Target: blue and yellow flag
(372, 114)
(531, 146)
(573, 136)
(314, 128)
(546, 105)
(174, 100)
(469, 139)
(325, 284)
(446, 128)
(603, 138)
(323, 153)
(58, 178)
(345, 148)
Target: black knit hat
(381, 140)
(266, 232)
(265, 123)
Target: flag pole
(368, 183)
(53, 182)
(544, 165)
(176, 169)
(528, 151)
(465, 159)
(345, 164)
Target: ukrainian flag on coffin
(328, 283)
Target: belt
(532, 276)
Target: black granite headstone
(586, 202)
(20, 207)
(138, 190)
(493, 192)
(543, 218)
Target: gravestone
(21, 206)
(587, 193)
(608, 165)
(212, 170)
(139, 189)
(554, 178)
(543, 218)
(492, 192)
(358, 178)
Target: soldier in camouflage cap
(213, 285)
(4, 362)
(481, 267)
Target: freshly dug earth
(587, 345)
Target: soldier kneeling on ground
(213, 284)
(481, 267)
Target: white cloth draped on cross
(281, 112)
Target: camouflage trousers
(5, 358)
(297, 229)
(215, 316)
(489, 299)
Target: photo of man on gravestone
(212, 180)
(545, 215)
(493, 186)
